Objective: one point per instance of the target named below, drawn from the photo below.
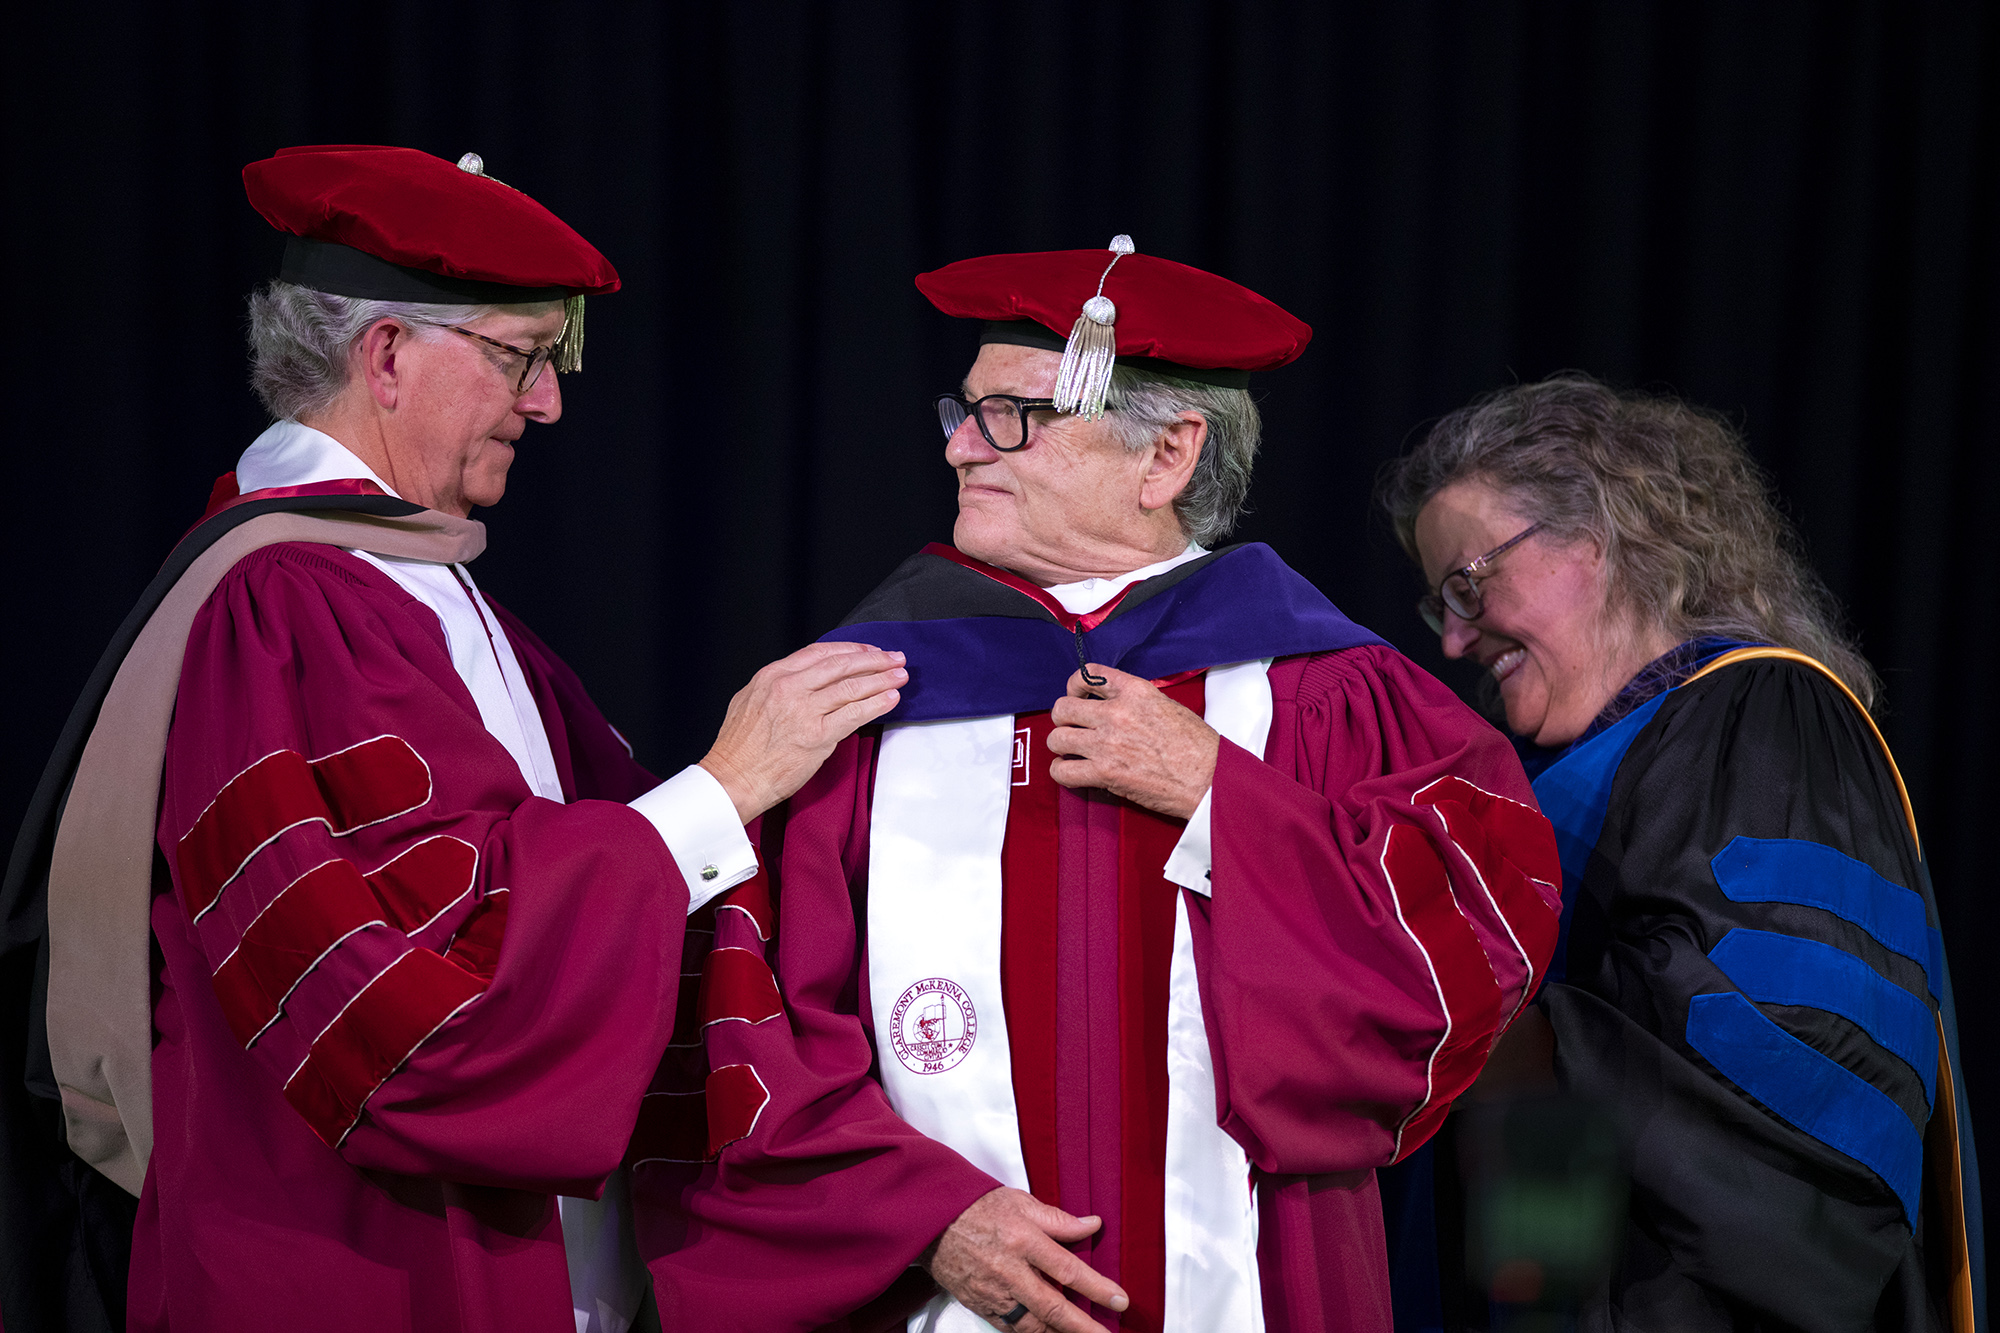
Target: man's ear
(1171, 461)
(377, 354)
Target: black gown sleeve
(1754, 972)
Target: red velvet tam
(1169, 318)
(396, 224)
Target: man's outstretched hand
(1132, 741)
(1007, 1248)
(781, 726)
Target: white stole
(937, 822)
(938, 818)
(1212, 1280)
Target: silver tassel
(1084, 379)
(569, 343)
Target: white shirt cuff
(698, 822)
(1191, 860)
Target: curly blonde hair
(1692, 535)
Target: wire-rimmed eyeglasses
(1002, 417)
(1458, 592)
(538, 357)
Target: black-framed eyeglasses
(1459, 590)
(538, 357)
(1002, 417)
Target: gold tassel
(1084, 379)
(569, 343)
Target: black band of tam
(327, 266)
(1028, 333)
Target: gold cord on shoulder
(1793, 655)
(1942, 1158)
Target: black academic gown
(1755, 982)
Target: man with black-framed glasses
(1165, 905)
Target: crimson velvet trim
(476, 947)
(1399, 967)
(303, 923)
(1331, 1025)
(1497, 837)
(467, 1071)
(864, 1191)
(1146, 915)
(735, 1097)
(1470, 997)
(690, 1127)
(352, 788)
(419, 885)
(309, 917)
(736, 986)
(681, 1123)
(372, 1038)
(1028, 883)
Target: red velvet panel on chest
(1085, 962)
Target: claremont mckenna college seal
(933, 1026)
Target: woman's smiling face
(1546, 629)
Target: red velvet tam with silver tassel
(1140, 311)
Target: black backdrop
(1790, 212)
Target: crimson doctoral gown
(402, 1002)
(1381, 900)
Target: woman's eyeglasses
(1459, 592)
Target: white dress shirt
(1086, 595)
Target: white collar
(1086, 595)
(289, 454)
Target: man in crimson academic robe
(1165, 907)
(419, 915)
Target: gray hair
(1691, 533)
(300, 340)
(1144, 404)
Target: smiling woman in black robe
(1752, 973)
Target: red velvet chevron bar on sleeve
(381, 951)
(352, 788)
(1384, 903)
(314, 913)
(691, 1113)
(1412, 888)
